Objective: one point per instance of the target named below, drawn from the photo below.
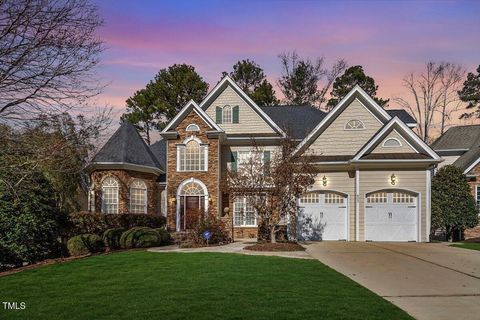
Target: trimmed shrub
(85, 244)
(210, 223)
(98, 223)
(140, 237)
(453, 206)
(111, 237)
(165, 236)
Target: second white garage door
(322, 216)
(391, 216)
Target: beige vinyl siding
(380, 180)
(341, 182)
(405, 148)
(335, 140)
(448, 160)
(249, 120)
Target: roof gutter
(123, 166)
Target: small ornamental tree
(453, 206)
(271, 182)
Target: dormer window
(392, 143)
(354, 125)
(227, 114)
(192, 127)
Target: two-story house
(374, 180)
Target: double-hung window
(138, 197)
(243, 212)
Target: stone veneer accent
(210, 177)
(125, 178)
(474, 232)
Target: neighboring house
(460, 146)
(375, 171)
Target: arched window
(192, 156)
(354, 125)
(227, 114)
(192, 189)
(138, 197)
(110, 195)
(392, 143)
(192, 127)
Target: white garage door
(322, 216)
(391, 216)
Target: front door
(191, 209)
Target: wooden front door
(191, 209)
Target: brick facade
(473, 182)
(210, 177)
(125, 178)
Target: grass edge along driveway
(467, 245)
(148, 285)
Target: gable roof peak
(404, 131)
(191, 105)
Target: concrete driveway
(428, 281)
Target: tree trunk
(273, 238)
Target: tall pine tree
(353, 76)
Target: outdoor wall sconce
(393, 179)
(172, 200)
(324, 181)
(209, 199)
(226, 210)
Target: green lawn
(471, 246)
(145, 285)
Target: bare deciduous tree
(48, 54)
(272, 187)
(301, 78)
(434, 96)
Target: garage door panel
(391, 216)
(320, 219)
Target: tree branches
(434, 96)
(48, 54)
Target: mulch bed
(280, 246)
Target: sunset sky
(389, 38)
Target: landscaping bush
(165, 236)
(98, 223)
(30, 222)
(453, 206)
(140, 237)
(85, 244)
(111, 237)
(209, 223)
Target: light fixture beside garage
(393, 179)
(324, 181)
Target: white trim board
(199, 111)
(403, 132)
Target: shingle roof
(395, 156)
(468, 158)
(461, 137)
(159, 149)
(127, 146)
(298, 121)
(402, 115)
